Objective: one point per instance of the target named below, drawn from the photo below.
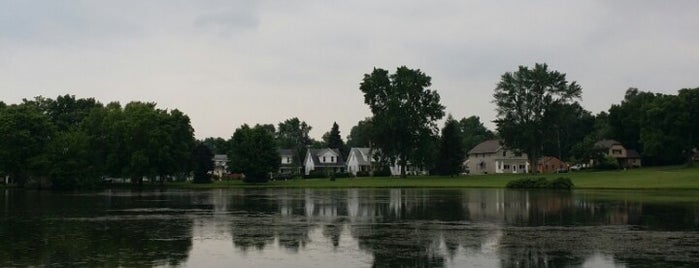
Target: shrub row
(541, 183)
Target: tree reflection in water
(394, 227)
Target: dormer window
(324, 159)
(332, 159)
(504, 153)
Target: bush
(362, 174)
(540, 183)
(561, 183)
(607, 163)
(316, 174)
(340, 175)
(384, 172)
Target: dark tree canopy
(523, 99)
(404, 112)
(293, 134)
(333, 140)
(361, 134)
(202, 163)
(254, 153)
(451, 149)
(567, 125)
(216, 145)
(473, 132)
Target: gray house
(491, 156)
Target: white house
(492, 157)
(324, 159)
(220, 165)
(359, 160)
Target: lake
(350, 228)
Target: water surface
(350, 228)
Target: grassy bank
(645, 178)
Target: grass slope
(645, 178)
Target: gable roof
(363, 155)
(315, 153)
(606, 143)
(487, 147)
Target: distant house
(492, 157)
(627, 158)
(220, 165)
(290, 162)
(410, 169)
(324, 159)
(359, 160)
(549, 164)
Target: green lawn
(645, 178)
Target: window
(507, 167)
(323, 159)
(332, 159)
(504, 153)
(616, 151)
(521, 166)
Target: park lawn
(645, 178)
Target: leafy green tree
(24, 133)
(451, 149)
(568, 124)
(293, 134)
(216, 145)
(333, 139)
(202, 163)
(625, 119)
(665, 130)
(70, 161)
(361, 134)
(404, 111)
(253, 153)
(473, 132)
(523, 99)
(689, 101)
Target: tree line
(71, 143)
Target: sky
(226, 63)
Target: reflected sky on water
(350, 228)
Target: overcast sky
(225, 63)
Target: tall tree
(361, 134)
(625, 118)
(567, 124)
(473, 132)
(216, 145)
(253, 153)
(332, 139)
(689, 99)
(24, 134)
(451, 149)
(293, 134)
(523, 99)
(404, 112)
(202, 163)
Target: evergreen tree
(451, 149)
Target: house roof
(220, 157)
(315, 153)
(489, 146)
(606, 143)
(363, 155)
(631, 153)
